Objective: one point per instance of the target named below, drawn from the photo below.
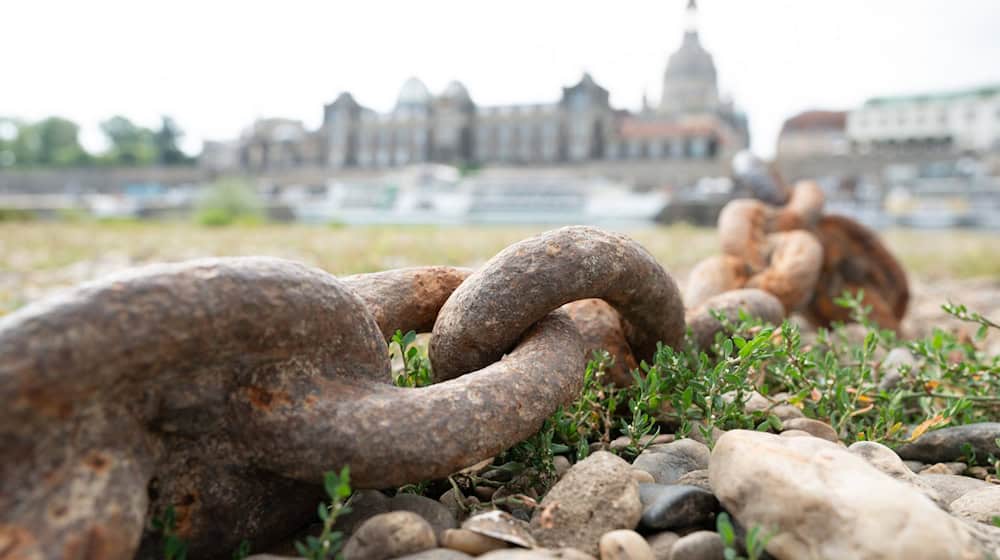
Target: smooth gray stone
(944, 445)
(675, 506)
(668, 462)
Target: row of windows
(900, 118)
(691, 148)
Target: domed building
(690, 81)
(690, 134)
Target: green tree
(166, 140)
(53, 141)
(130, 144)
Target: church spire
(691, 17)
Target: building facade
(958, 121)
(690, 123)
(814, 133)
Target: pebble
(676, 506)
(892, 367)
(641, 476)
(471, 543)
(945, 468)
(390, 535)
(502, 526)
(484, 493)
(597, 495)
(770, 481)
(459, 511)
(944, 445)
(662, 543)
(622, 442)
(624, 545)
(787, 412)
(982, 473)
(670, 461)
(915, 466)
(698, 436)
(818, 429)
(697, 478)
(365, 504)
(536, 554)
(952, 487)
(700, 545)
(562, 465)
(980, 505)
(434, 512)
(437, 554)
(886, 460)
(795, 433)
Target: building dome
(691, 60)
(690, 83)
(455, 91)
(413, 95)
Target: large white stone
(825, 502)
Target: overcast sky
(216, 65)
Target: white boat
(437, 194)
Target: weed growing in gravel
(329, 542)
(242, 551)
(836, 377)
(174, 548)
(754, 544)
(416, 365)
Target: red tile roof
(816, 120)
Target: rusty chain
(226, 387)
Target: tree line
(55, 142)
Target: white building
(962, 121)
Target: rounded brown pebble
(642, 476)
(813, 427)
(390, 535)
(662, 543)
(700, 545)
(471, 543)
(562, 465)
(624, 545)
(796, 433)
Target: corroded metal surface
(406, 299)
(793, 266)
(715, 275)
(484, 317)
(854, 259)
(225, 388)
(745, 224)
(755, 303)
(601, 328)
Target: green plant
(174, 548)
(329, 542)
(754, 543)
(242, 551)
(416, 365)
(226, 202)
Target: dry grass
(36, 258)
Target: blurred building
(691, 123)
(813, 133)
(965, 121)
